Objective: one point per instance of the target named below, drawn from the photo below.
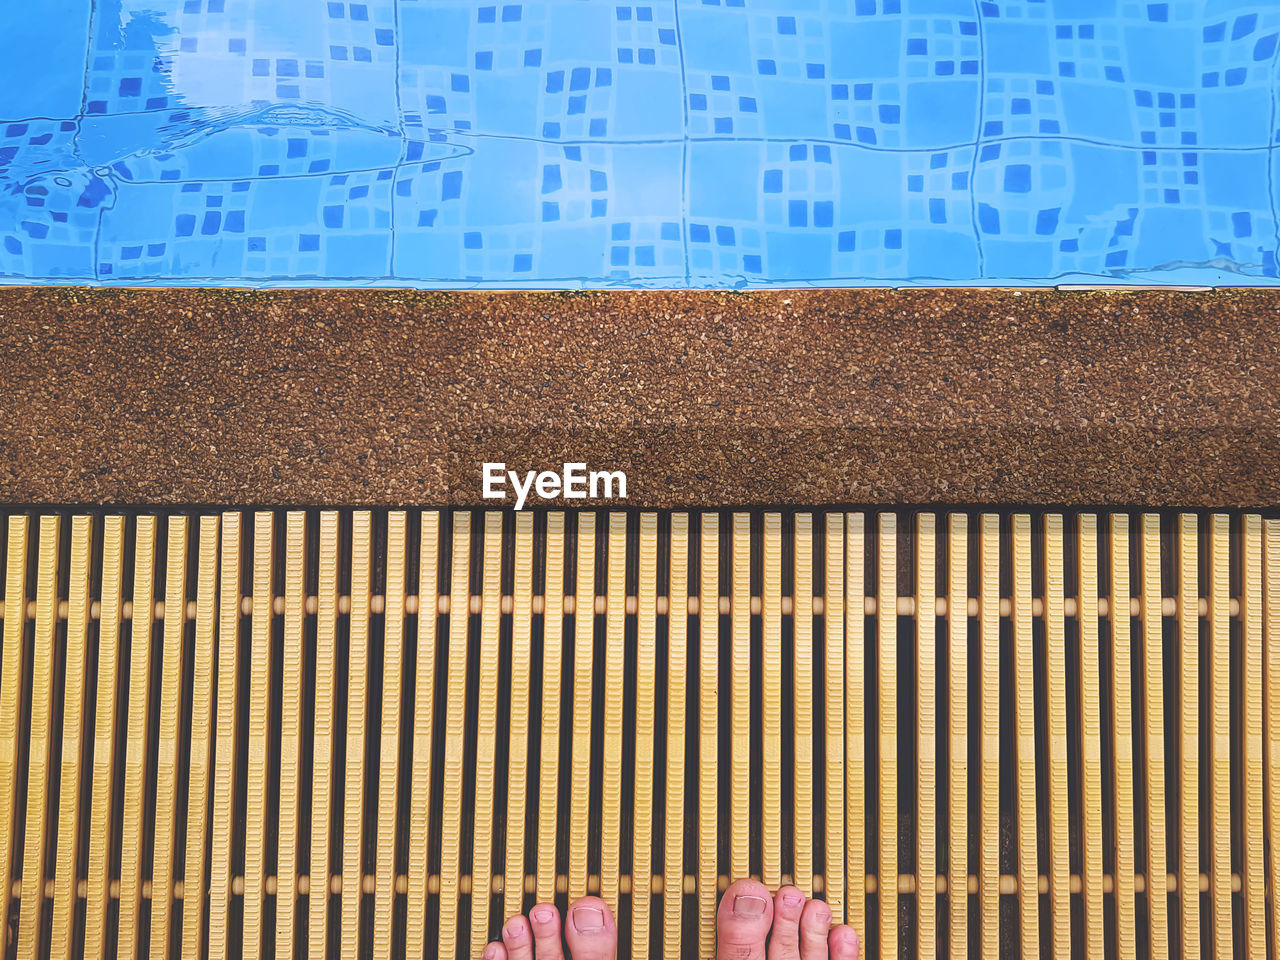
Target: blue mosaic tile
(673, 143)
(47, 39)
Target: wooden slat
(202, 680)
(926, 736)
(133, 806)
(1024, 683)
(258, 771)
(423, 732)
(740, 700)
(583, 657)
(226, 827)
(708, 727)
(855, 744)
(1189, 737)
(330, 563)
(1271, 633)
(833, 627)
(393, 658)
(958, 727)
(771, 703)
(1055, 700)
(40, 741)
(75, 669)
(169, 746)
(103, 803)
(802, 702)
(455, 736)
(677, 705)
(926, 657)
(646, 695)
(1157, 887)
(518, 737)
(552, 682)
(887, 726)
(1250, 825)
(1090, 789)
(989, 733)
(12, 686)
(614, 677)
(358, 650)
(1220, 732)
(1122, 737)
(486, 730)
(291, 694)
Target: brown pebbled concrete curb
(708, 398)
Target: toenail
(490, 952)
(745, 906)
(792, 899)
(516, 931)
(543, 916)
(588, 920)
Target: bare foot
(750, 925)
(794, 927)
(802, 930)
(590, 932)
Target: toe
(784, 939)
(815, 924)
(518, 939)
(494, 951)
(743, 920)
(591, 931)
(843, 943)
(545, 920)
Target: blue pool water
(668, 143)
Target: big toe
(743, 921)
(591, 931)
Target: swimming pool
(687, 143)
